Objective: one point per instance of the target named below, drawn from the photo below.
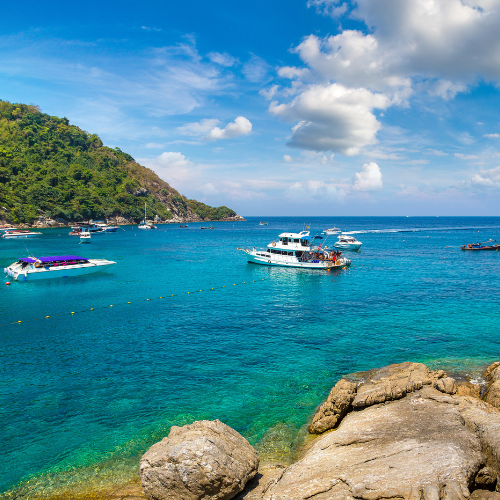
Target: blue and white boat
(297, 250)
(60, 266)
(20, 233)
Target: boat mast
(145, 203)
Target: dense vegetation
(53, 169)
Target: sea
(95, 369)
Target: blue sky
(313, 107)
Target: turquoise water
(84, 395)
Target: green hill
(53, 169)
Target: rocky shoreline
(399, 432)
(45, 222)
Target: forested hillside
(53, 169)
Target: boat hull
(20, 236)
(349, 246)
(493, 247)
(41, 273)
(320, 264)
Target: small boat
(20, 233)
(6, 227)
(482, 246)
(183, 225)
(347, 242)
(61, 266)
(210, 227)
(263, 223)
(107, 229)
(297, 250)
(333, 230)
(86, 227)
(85, 237)
(144, 224)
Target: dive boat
(62, 266)
(333, 230)
(144, 224)
(296, 250)
(347, 243)
(86, 227)
(482, 246)
(20, 233)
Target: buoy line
(72, 313)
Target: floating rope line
(72, 313)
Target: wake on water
(419, 230)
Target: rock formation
(204, 460)
(403, 432)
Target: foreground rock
(206, 459)
(416, 447)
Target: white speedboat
(105, 227)
(20, 233)
(144, 224)
(347, 243)
(85, 237)
(333, 230)
(62, 266)
(296, 250)
(86, 227)
(263, 223)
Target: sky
(278, 107)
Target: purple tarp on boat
(57, 258)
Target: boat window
(296, 241)
(303, 243)
(290, 253)
(268, 250)
(299, 253)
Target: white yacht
(85, 237)
(347, 242)
(333, 230)
(296, 250)
(61, 266)
(20, 233)
(144, 224)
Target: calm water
(83, 396)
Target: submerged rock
(206, 459)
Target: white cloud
(240, 126)
(172, 167)
(492, 136)
(440, 47)
(256, 69)
(314, 190)
(466, 157)
(332, 117)
(287, 158)
(224, 59)
(154, 145)
(198, 129)
(369, 179)
(487, 178)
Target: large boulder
(335, 408)
(206, 459)
(492, 376)
(413, 448)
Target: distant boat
(347, 243)
(183, 225)
(210, 227)
(105, 227)
(263, 223)
(19, 233)
(333, 230)
(86, 227)
(482, 246)
(61, 266)
(144, 224)
(85, 237)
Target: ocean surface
(182, 329)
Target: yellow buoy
(111, 305)
(91, 308)
(47, 316)
(128, 302)
(72, 312)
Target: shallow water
(84, 395)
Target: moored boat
(61, 266)
(20, 233)
(482, 246)
(85, 237)
(86, 227)
(105, 227)
(347, 243)
(332, 230)
(144, 224)
(183, 225)
(296, 250)
(210, 227)
(263, 223)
